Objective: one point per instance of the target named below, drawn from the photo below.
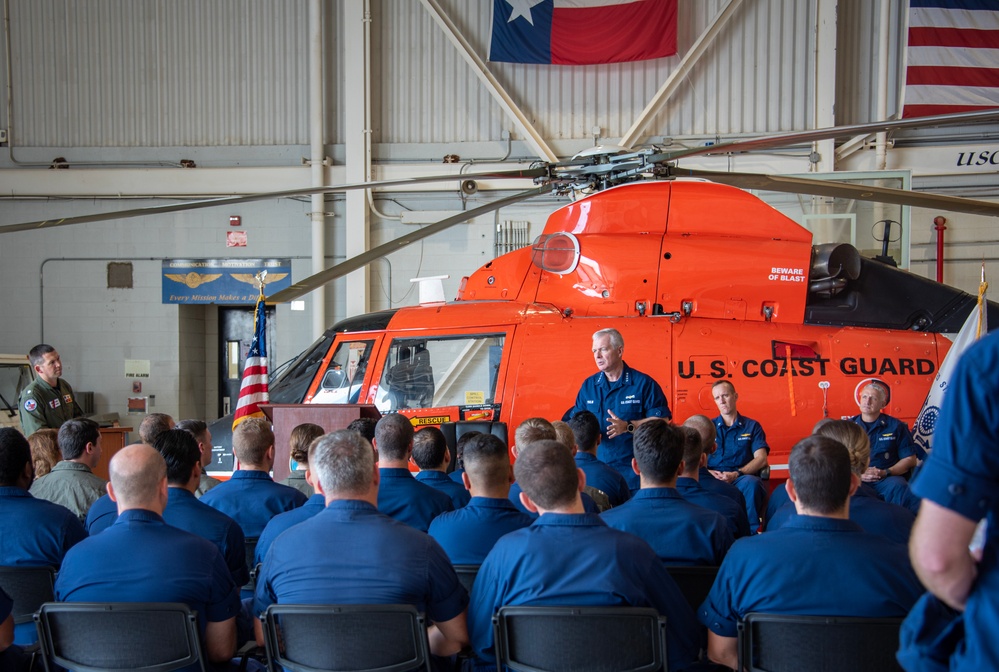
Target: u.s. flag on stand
(582, 32)
(976, 326)
(253, 390)
(953, 57)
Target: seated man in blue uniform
(72, 482)
(570, 557)
(153, 425)
(468, 534)
(742, 452)
(690, 483)
(199, 430)
(431, 455)
(705, 427)
(586, 433)
(621, 397)
(681, 533)
(349, 553)
(459, 450)
(893, 452)
(34, 532)
(866, 509)
(143, 559)
(251, 497)
(531, 431)
(400, 495)
(813, 564)
(283, 521)
(956, 559)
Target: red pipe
(940, 225)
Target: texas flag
(582, 32)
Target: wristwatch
(631, 427)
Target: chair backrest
(466, 574)
(694, 582)
(454, 430)
(29, 587)
(775, 643)
(549, 639)
(250, 547)
(118, 637)
(358, 637)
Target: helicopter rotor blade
(801, 137)
(354, 263)
(530, 173)
(836, 189)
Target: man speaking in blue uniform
(742, 451)
(623, 397)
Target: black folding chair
(118, 637)
(466, 574)
(786, 643)
(356, 637)
(29, 587)
(694, 582)
(568, 639)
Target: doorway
(235, 335)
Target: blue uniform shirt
(468, 534)
(441, 481)
(709, 482)
(252, 498)
(737, 444)
(142, 559)
(873, 514)
(890, 440)
(679, 532)
(695, 492)
(962, 475)
(812, 566)
(456, 475)
(283, 521)
(589, 505)
(633, 396)
(402, 497)
(34, 533)
(577, 560)
(373, 559)
(603, 478)
(101, 515)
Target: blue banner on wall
(222, 281)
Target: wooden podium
(113, 439)
(330, 417)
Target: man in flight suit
(48, 400)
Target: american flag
(953, 57)
(253, 390)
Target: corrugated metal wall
(756, 77)
(121, 73)
(857, 66)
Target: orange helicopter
(705, 281)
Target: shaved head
(138, 478)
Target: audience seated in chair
(349, 553)
(585, 430)
(468, 534)
(570, 557)
(699, 487)
(819, 564)
(681, 533)
(250, 496)
(143, 559)
(400, 495)
(431, 455)
(199, 429)
(301, 438)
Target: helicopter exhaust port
(834, 265)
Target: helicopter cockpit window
(290, 387)
(341, 383)
(446, 371)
